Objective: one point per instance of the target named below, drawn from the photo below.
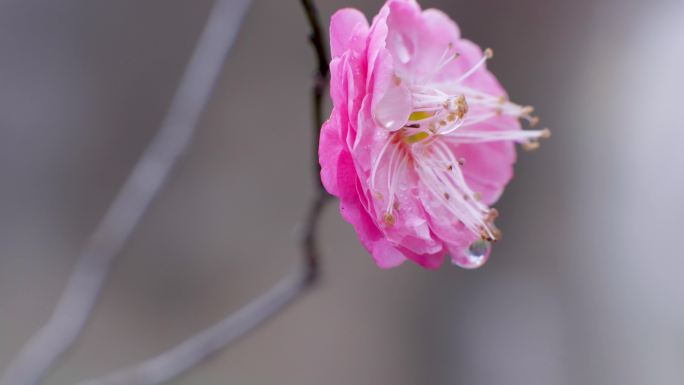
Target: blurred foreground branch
(194, 350)
(204, 344)
(144, 183)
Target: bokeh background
(585, 288)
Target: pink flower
(420, 139)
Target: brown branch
(196, 349)
(143, 185)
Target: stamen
(444, 60)
(395, 176)
(488, 54)
(522, 136)
(374, 170)
(451, 111)
(453, 184)
(391, 167)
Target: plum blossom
(420, 141)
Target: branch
(147, 178)
(203, 345)
(196, 349)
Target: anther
(462, 162)
(534, 121)
(461, 106)
(530, 145)
(545, 133)
(527, 110)
(489, 53)
(389, 219)
(495, 232)
(396, 79)
(492, 214)
(447, 196)
(484, 234)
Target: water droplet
(477, 253)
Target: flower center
(444, 115)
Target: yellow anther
(417, 137)
(420, 115)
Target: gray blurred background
(586, 287)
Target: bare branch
(186, 355)
(203, 345)
(72, 311)
(196, 349)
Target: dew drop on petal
(392, 111)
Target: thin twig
(196, 349)
(73, 310)
(201, 346)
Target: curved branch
(147, 178)
(206, 343)
(196, 349)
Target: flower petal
(348, 30)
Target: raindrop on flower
(477, 253)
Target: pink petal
(348, 30)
